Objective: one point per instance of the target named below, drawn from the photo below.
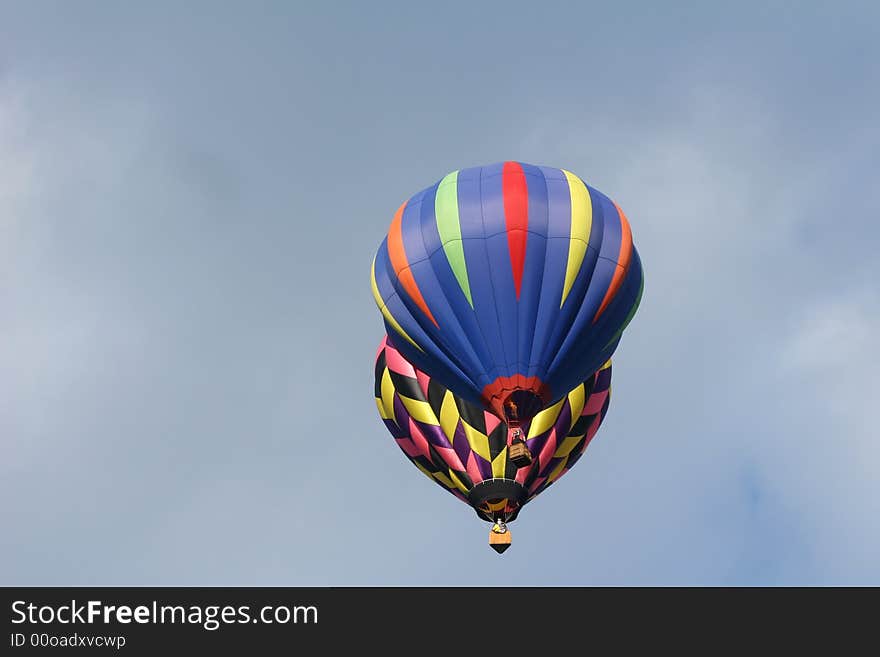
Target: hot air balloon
(510, 284)
(504, 290)
(464, 447)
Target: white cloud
(178, 302)
(745, 384)
(829, 460)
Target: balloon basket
(499, 537)
(519, 454)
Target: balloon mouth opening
(521, 406)
(498, 499)
(516, 400)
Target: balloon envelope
(462, 446)
(511, 284)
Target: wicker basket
(518, 452)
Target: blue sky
(190, 199)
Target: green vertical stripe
(631, 314)
(446, 211)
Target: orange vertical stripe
(399, 262)
(623, 259)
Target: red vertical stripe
(516, 215)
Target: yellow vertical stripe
(576, 400)
(567, 445)
(385, 415)
(384, 309)
(443, 479)
(419, 410)
(557, 471)
(581, 223)
(479, 442)
(458, 482)
(499, 464)
(545, 419)
(426, 472)
(448, 416)
(386, 387)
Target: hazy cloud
(189, 203)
